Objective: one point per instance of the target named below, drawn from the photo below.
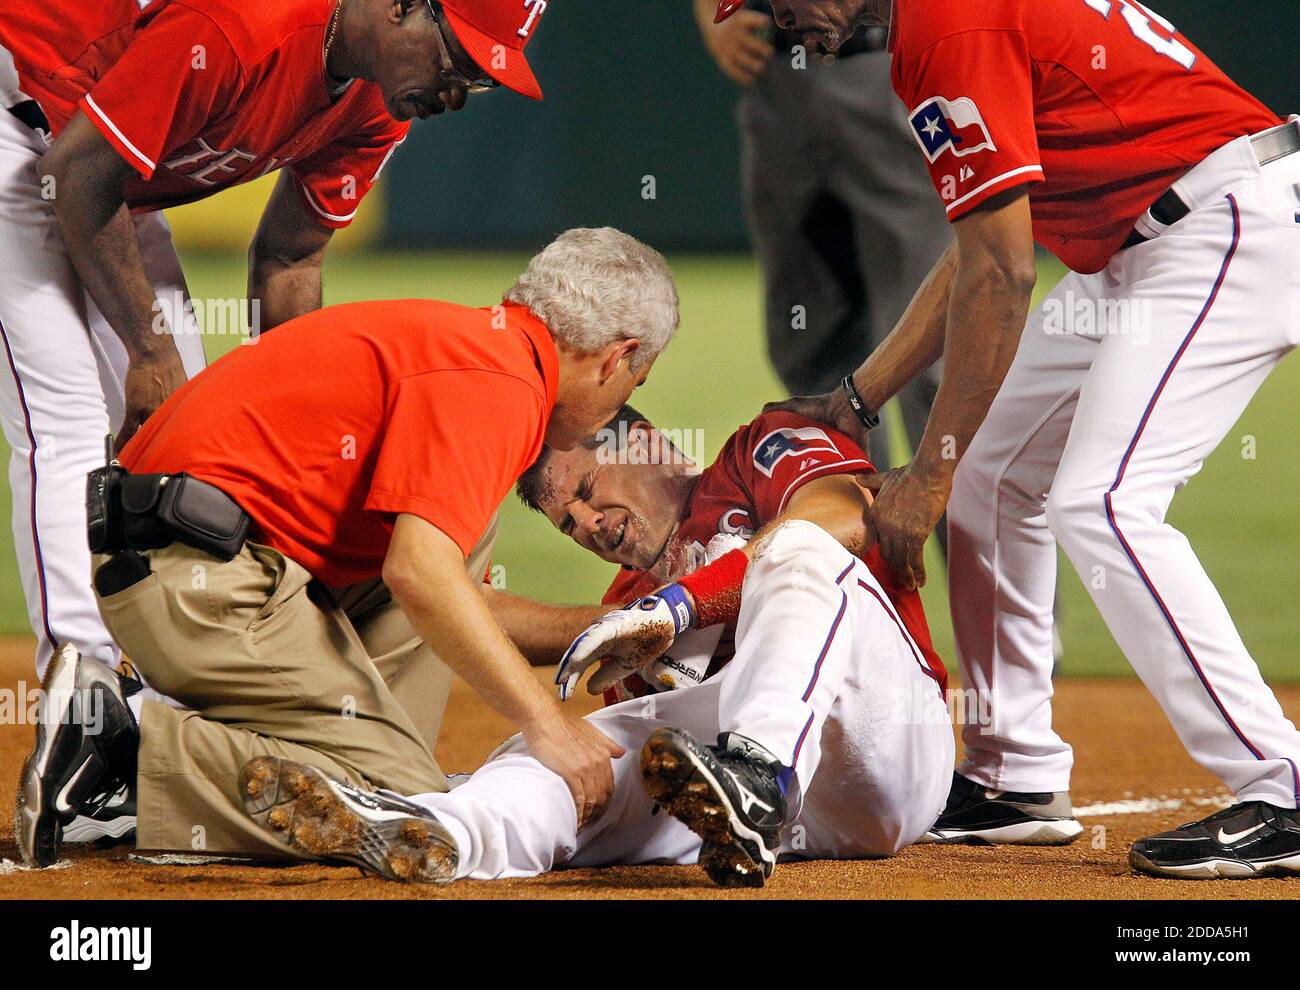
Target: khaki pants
(269, 662)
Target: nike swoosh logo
(61, 803)
(1228, 838)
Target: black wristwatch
(866, 416)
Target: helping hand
(149, 381)
(740, 47)
(831, 408)
(907, 507)
(577, 751)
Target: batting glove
(627, 639)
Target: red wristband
(716, 588)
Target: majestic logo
(953, 125)
(535, 10)
(789, 443)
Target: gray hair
(592, 286)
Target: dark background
(630, 92)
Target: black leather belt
(1167, 210)
(1268, 146)
(31, 114)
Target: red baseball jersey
(760, 467)
(201, 96)
(1101, 104)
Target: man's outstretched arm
(987, 305)
(285, 257)
(89, 177)
(540, 631)
(425, 571)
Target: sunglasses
(450, 73)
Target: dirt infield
(1131, 778)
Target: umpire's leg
(269, 666)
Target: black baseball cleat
(1247, 840)
(977, 815)
(379, 831)
(87, 743)
(726, 794)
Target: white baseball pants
(61, 392)
(1123, 384)
(825, 677)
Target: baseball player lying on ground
(821, 686)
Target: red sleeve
(780, 452)
(335, 179)
(177, 73)
(971, 107)
(624, 583)
(443, 460)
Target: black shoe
(379, 831)
(726, 794)
(1247, 840)
(111, 825)
(86, 748)
(980, 816)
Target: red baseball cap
(494, 33)
(726, 8)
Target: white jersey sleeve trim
(311, 201)
(118, 133)
(994, 181)
(813, 472)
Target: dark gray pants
(844, 219)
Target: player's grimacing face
(622, 512)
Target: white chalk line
(186, 859)
(9, 867)
(1145, 806)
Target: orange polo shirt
(327, 427)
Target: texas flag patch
(953, 125)
(789, 442)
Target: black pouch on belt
(140, 496)
(103, 509)
(202, 516)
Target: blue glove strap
(679, 605)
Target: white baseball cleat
(379, 831)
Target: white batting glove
(629, 639)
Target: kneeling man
(797, 650)
(241, 559)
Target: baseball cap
(494, 33)
(726, 8)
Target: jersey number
(1139, 21)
